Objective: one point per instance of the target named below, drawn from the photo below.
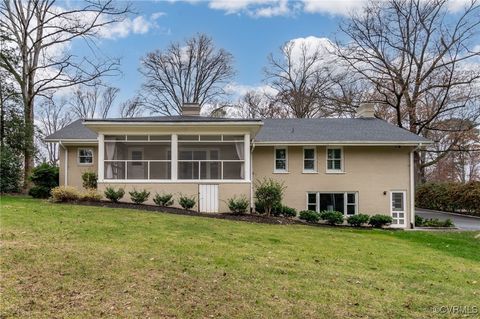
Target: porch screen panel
(137, 157)
(206, 159)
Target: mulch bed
(253, 218)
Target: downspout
(251, 176)
(412, 186)
(66, 163)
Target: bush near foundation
(332, 217)
(378, 221)
(309, 216)
(114, 195)
(139, 197)
(238, 205)
(450, 197)
(89, 180)
(65, 194)
(187, 202)
(163, 199)
(358, 220)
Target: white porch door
(208, 198)
(398, 208)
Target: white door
(208, 199)
(398, 208)
(137, 169)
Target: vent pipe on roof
(366, 110)
(191, 109)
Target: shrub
(358, 220)
(433, 222)
(260, 209)
(309, 216)
(238, 205)
(89, 180)
(45, 177)
(10, 170)
(378, 221)
(187, 202)
(163, 200)
(91, 195)
(139, 197)
(268, 194)
(65, 194)
(288, 211)
(332, 217)
(114, 195)
(455, 197)
(419, 221)
(39, 192)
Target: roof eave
(344, 143)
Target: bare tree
(131, 108)
(39, 31)
(301, 75)
(416, 59)
(258, 105)
(93, 101)
(53, 116)
(191, 72)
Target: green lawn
(75, 261)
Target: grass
(77, 261)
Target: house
(352, 165)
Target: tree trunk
(28, 152)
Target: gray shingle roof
(174, 118)
(73, 131)
(334, 130)
(277, 130)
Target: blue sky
(249, 29)
(248, 37)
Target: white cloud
(345, 7)
(334, 7)
(254, 8)
(137, 25)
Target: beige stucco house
(359, 165)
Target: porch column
(174, 157)
(101, 154)
(246, 153)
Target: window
(343, 202)
(309, 160)
(334, 160)
(312, 201)
(85, 156)
(281, 160)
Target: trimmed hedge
(450, 197)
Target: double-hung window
(85, 156)
(334, 160)
(309, 160)
(281, 160)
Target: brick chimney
(366, 110)
(191, 109)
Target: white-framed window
(85, 156)
(334, 160)
(343, 202)
(281, 160)
(309, 160)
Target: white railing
(194, 175)
(125, 168)
(221, 162)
